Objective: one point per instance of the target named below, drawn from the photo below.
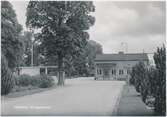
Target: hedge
(41, 81)
(151, 81)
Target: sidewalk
(131, 104)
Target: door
(106, 74)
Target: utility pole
(32, 54)
(32, 48)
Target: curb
(115, 110)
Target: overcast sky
(140, 25)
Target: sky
(132, 27)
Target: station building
(117, 66)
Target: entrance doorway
(106, 74)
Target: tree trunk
(60, 71)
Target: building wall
(36, 70)
(120, 66)
(30, 71)
(98, 72)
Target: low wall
(30, 71)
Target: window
(113, 72)
(99, 71)
(121, 72)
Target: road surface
(81, 96)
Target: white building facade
(117, 66)
(36, 70)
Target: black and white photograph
(83, 58)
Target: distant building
(117, 66)
(36, 70)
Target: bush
(24, 80)
(137, 75)
(36, 80)
(7, 80)
(42, 81)
(144, 89)
(160, 91)
(151, 82)
(46, 81)
(132, 78)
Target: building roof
(121, 57)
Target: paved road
(82, 96)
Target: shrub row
(150, 82)
(42, 81)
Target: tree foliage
(94, 48)
(137, 75)
(62, 26)
(7, 81)
(10, 35)
(84, 65)
(151, 81)
(160, 80)
(28, 42)
(27, 37)
(11, 45)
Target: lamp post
(32, 48)
(32, 54)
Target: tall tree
(11, 45)
(97, 47)
(10, 35)
(151, 81)
(28, 42)
(63, 26)
(84, 65)
(160, 91)
(93, 49)
(138, 75)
